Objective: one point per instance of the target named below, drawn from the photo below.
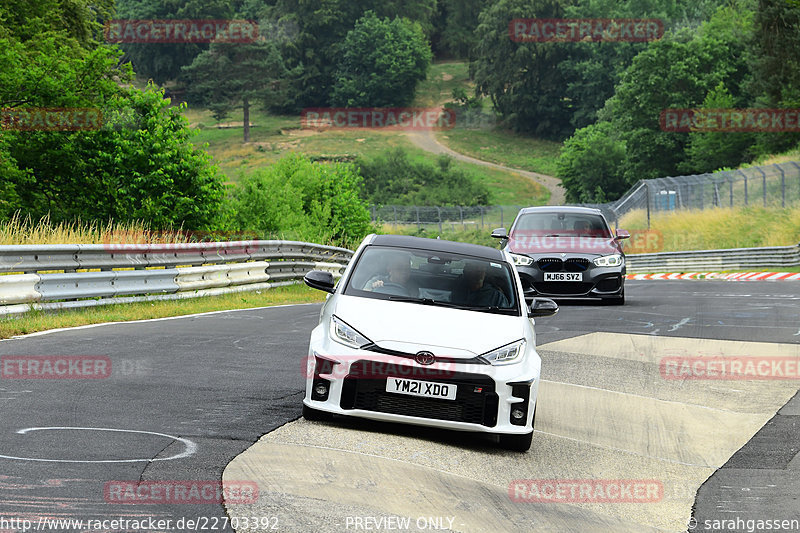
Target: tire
(315, 415)
(517, 443)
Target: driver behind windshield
(397, 280)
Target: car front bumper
(485, 399)
(597, 282)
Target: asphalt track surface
(220, 381)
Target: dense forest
(602, 99)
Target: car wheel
(309, 413)
(517, 443)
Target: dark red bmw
(567, 252)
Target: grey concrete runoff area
(218, 396)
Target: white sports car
(427, 332)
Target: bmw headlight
(610, 260)
(342, 332)
(510, 353)
(521, 260)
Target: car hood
(411, 327)
(570, 244)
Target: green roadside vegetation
(41, 321)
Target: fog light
(321, 389)
(517, 413)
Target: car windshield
(563, 224)
(434, 278)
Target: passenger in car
(476, 292)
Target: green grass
(442, 79)
(272, 136)
(41, 321)
(505, 148)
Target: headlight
(521, 260)
(343, 333)
(508, 354)
(609, 261)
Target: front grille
(562, 287)
(576, 264)
(469, 406)
(550, 264)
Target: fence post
(730, 182)
(647, 201)
(763, 184)
(481, 208)
(461, 214)
(745, 186)
(796, 166)
(783, 186)
(439, 213)
(395, 215)
(501, 216)
(417, 208)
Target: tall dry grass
(719, 228)
(24, 230)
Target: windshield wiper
(424, 301)
(494, 309)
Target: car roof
(438, 245)
(561, 209)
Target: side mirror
(319, 279)
(500, 233)
(623, 234)
(543, 307)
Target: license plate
(427, 389)
(563, 276)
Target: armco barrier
(715, 260)
(52, 277)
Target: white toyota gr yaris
(427, 332)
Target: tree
(523, 79)
(139, 166)
(456, 25)
(133, 163)
(298, 199)
(320, 27)
(382, 61)
(236, 75)
(710, 151)
(590, 165)
(163, 61)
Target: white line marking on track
(190, 447)
(683, 322)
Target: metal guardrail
(715, 260)
(50, 277)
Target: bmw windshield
(434, 278)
